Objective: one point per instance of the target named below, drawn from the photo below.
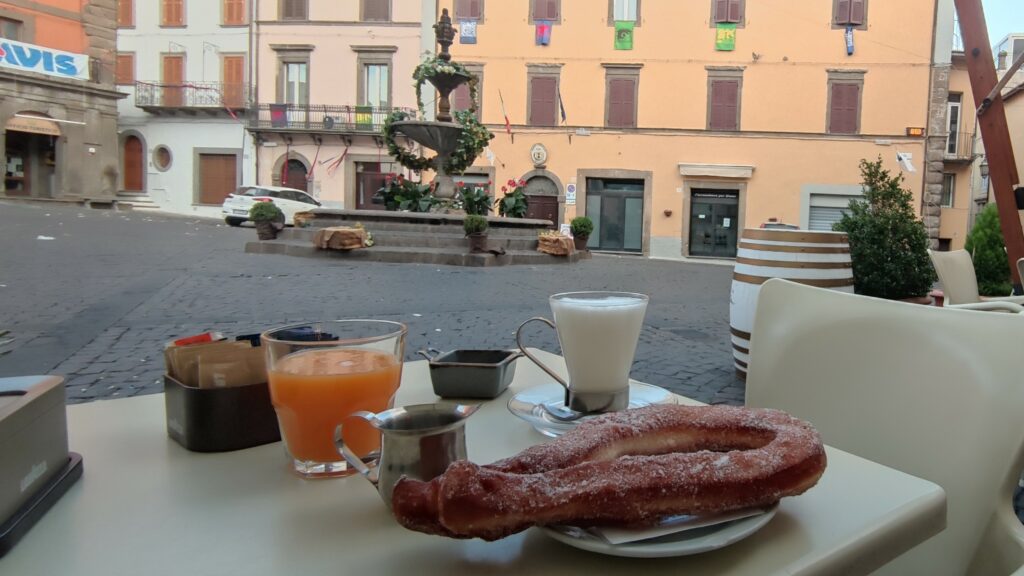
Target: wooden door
(233, 79)
(217, 177)
(542, 208)
(173, 71)
(295, 175)
(133, 164)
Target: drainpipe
(254, 68)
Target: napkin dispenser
(35, 465)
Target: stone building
(58, 106)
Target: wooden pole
(1002, 168)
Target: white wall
(203, 40)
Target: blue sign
(849, 40)
(43, 60)
(467, 31)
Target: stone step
(401, 254)
(431, 239)
(425, 229)
(137, 200)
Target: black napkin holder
(220, 419)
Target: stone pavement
(98, 301)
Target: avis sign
(43, 60)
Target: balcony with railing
(319, 118)
(959, 147)
(191, 97)
(958, 38)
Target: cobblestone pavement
(97, 301)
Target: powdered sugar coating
(624, 468)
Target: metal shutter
(827, 209)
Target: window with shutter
(724, 102)
(844, 108)
(294, 9)
(724, 11)
(125, 13)
(233, 12)
(621, 103)
(543, 100)
(469, 9)
(124, 73)
(172, 13)
(849, 13)
(376, 10)
(546, 10)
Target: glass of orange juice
(320, 373)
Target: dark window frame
(459, 16)
(611, 14)
(533, 4)
(375, 55)
(948, 197)
(621, 72)
(847, 77)
(725, 73)
(835, 13)
(537, 71)
(292, 54)
(281, 12)
(362, 11)
(713, 22)
(477, 70)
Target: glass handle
(522, 348)
(371, 470)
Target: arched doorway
(133, 164)
(294, 175)
(542, 196)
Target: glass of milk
(598, 333)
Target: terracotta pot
(477, 243)
(265, 230)
(580, 242)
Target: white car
(289, 200)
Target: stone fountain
(442, 135)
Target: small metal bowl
(472, 373)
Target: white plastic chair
(960, 284)
(934, 392)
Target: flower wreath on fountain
(475, 136)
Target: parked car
(289, 200)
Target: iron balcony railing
(958, 38)
(191, 95)
(320, 117)
(959, 147)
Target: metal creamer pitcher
(418, 441)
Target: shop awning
(33, 125)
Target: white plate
(678, 544)
(529, 405)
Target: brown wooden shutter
(376, 10)
(721, 11)
(543, 101)
(234, 12)
(461, 99)
(217, 177)
(173, 76)
(842, 11)
(856, 12)
(467, 9)
(735, 11)
(294, 9)
(545, 9)
(233, 78)
(173, 13)
(125, 70)
(474, 9)
(844, 108)
(724, 113)
(125, 13)
(621, 103)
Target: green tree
(888, 243)
(988, 251)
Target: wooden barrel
(814, 258)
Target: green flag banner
(623, 35)
(725, 36)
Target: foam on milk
(598, 338)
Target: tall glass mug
(319, 374)
(598, 333)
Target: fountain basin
(441, 137)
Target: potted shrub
(581, 227)
(888, 243)
(988, 252)
(268, 218)
(475, 227)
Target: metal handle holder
(371, 469)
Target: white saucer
(530, 405)
(677, 544)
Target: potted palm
(475, 227)
(581, 227)
(268, 218)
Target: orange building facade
(675, 125)
(57, 100)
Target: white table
(147, 506)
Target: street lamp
(984, 170)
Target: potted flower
(400, 194)
(514, 203)
(581, 227)
(268, 218)
(473, 198)
(888, 243)
(475, 227)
